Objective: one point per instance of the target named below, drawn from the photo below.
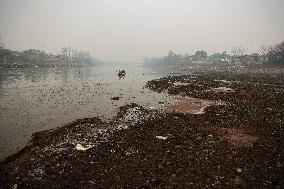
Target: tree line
(273, 54)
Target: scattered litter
(121, 127)
(115, 98)
(239, 170)
(238, 180)
(180, 84)
(92, 182)
(222, 80)
(223, 89)
(279, 164)
(161, 137)
(82, 148)
(201, 111)
(134, 115)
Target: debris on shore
(206, 139)
(115, 98)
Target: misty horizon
(128, 31)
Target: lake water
(37, 99)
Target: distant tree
(65, 51)
(238, 51)
(201, 54)
(264, 50)
(172, 58)
(2, 44)
(275, 55)
(171, 53)
(187, 59)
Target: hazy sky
(129, 30)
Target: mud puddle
(190, 105)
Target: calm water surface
(37, 99)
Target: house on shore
(219, 58)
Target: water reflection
(37, 99)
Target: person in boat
(121, 73)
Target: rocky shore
(225, 130)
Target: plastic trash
(161, 137)
(82, 148)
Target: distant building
(219, 58)
(75, 53)
(33, 54)
(198, 57)
(5, 55)
(254, 58)
(68, 52)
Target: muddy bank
(34, 100)
(234, 144)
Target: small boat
(121, 73)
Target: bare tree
(275, 55)
(264, 50)
(64, 52)
(239, 51)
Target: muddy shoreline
(234, 144)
